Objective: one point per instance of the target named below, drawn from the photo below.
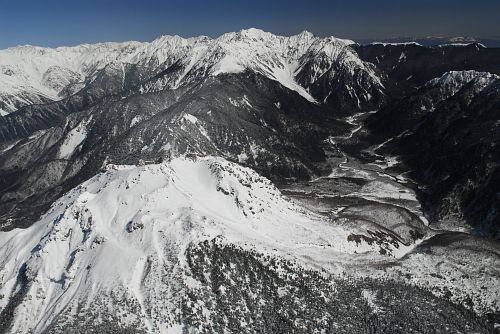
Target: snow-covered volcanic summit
(120, 239)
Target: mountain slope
(414, 65)
(146, 249)
(404, 114)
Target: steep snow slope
(119, 239)
(31, 74)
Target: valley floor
(370, 190)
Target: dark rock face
(343, 89)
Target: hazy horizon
(54, 23)
(359, 40)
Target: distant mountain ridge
(493, 42)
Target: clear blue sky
(70, 22)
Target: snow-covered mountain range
(31, 74)
(249, 183)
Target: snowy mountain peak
(255, 33)
(304, 35)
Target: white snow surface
(97, 240)
(73, 140)
(28, 73)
